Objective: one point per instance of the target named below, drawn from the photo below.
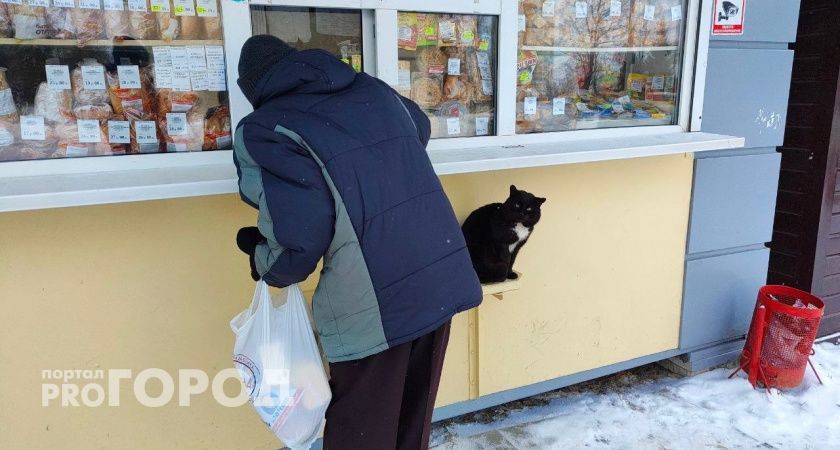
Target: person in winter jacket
(335, 162)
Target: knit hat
(258, 55)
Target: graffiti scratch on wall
(767, 120)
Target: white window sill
(90, 181)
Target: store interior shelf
(599, 49)
(29, 185)
(107, 42)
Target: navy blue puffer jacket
(335, 162)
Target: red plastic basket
(781, 337)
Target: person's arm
(296, 210)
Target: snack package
(54, 105)
(456, 88)
(485, 33)
(427, 29)
(169, 100)
(608, 72)
(467, 30)
(407, 30)
(60, 23)
(108, 147)
(655, 23)
(30, 22)
(143, 24)
(426, 89)
(480, 75)
(611, 20)
(525, 66)
(8, 109)
(212, 27)
(635, 85)
(447, 31)
(117, 23)
(168, 25)
(454, 119)
(192, 27)
(431, 60)
(89, 23)
(6, 28)
(217, 129)
(133, 103)
(89, 95)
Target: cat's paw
(513, 276)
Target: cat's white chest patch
(522, 233)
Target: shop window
(111, 77)
(598, 63)
(447, 66)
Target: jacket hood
(304, 72)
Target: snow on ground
(655, 411)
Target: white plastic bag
(279, 364)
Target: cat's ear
(540, 200)
(513, 189)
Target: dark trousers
(385, 401)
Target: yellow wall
(154, 284)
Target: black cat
(495, 233)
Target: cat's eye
(528, 209)
(518, 206)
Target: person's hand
(247, 239)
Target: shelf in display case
(106, 42)
(669, 48)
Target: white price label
(74, 151)
(522, 22)
(404, 79)
(676, 13)
(650, 11)
(146, 132)
(548, 8)
(215, 67)
(113, 5)
(163, 67)
(454, 66)
(129, 77)
(484, 65)
(206, 8)
(558, 106)
(453, 125)
(119, 132)
(657, 83)
(89, 130)
(58, 77)
(160, 5)
(137, 5)
(64, 3)
(180, 69)
(32, 128)
(198, 67)
(482, 126)
(615, 8)
(44, 3)
(581, 10)
(184, 7)
(176, 124)
(93, 77)
(90, 4)
(530, 106)
(12, 2)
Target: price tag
(74, 151)
(137, 5)
(119, 132)
(176, 124)
(32, 128)
(44, 3)
(89, 4)
(482, 126)
(64, 3)
(530, 106)
(129, 77)
(198, 67)
(89, 130)
(558, 106)
(548, 8)
(163, 67)
(146, 132)
(58, 77)
(484, 65)
(453, 125)
(657, 83)
(160, 5)
(615, 8)
(113, 5)
(93, 77)
(206, 8)
(180, 69)
(581, 10)
(184, 7)
(650, 10)
(522, 22)
(215, 67)
(454, 66)
(676, 12)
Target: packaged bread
(133, 103)
(89, 24)
(183, 132)
(30, 22)
(431, 60)
(212, 27)
(60, 22)
(191, 27)
(455, 87)
(426, 89)
(447, 30)
(113, 148)
(8, 108)
(117, 23)
(480, 75)
(143, 24)
(167, 25)
(68, 145)
(168, 100)
(427, 29)
(407, 30)
(9, 134)
(467, 30)
(35, 148)
(6, 28)
(217, 129)
(95, 93)
(151, 139)
(54, 105)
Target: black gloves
(247, 239)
